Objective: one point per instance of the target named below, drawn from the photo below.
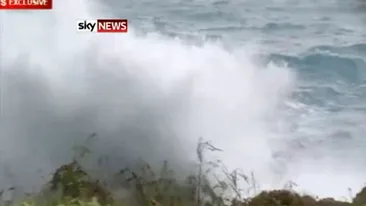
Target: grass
(71, 185)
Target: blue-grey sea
(278, 85)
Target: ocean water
(278, 85)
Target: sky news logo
(25, 4)
(103, 25)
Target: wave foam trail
(144, 96)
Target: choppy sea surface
(279, 85)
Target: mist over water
(152, 96)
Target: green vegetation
(70, 185)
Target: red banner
(25, 4)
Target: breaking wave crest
(144, 96)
